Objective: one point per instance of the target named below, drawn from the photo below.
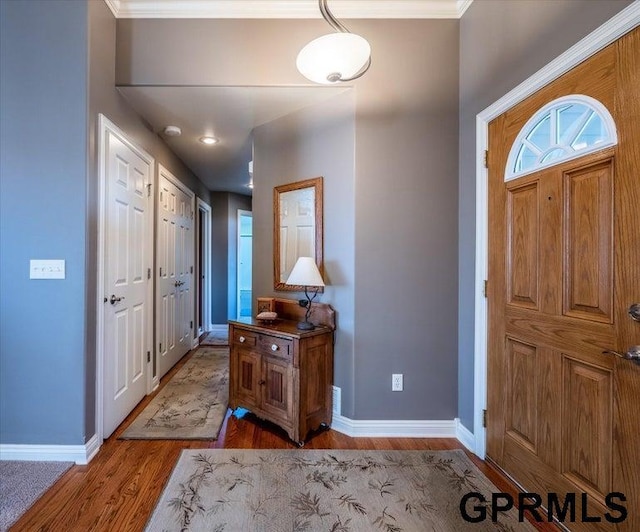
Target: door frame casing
(603, 36)
(204, 209)
(105, 127)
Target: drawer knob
(242, 339)
(274, 347)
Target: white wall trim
(80, 454)
(609, 32)
(465, 436)
(389, 428)
(106, 127)
(384, 9)
(385, 428)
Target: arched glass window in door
(564, 129)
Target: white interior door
(128, 215)
(175, 271)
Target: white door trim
(205, 210)
(609, 32)
(106, 126)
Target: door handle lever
(113, 300)
(632, 354)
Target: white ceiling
(230, 113)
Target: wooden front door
(563, 416)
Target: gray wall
(43, 134)
(501, 45)
(57, 74)
(406, 222)
(224, 253)
(317, 141)
(404, 213)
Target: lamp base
(305, 326)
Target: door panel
(523, 245)
(128, 218)
(589, 254)
(277, 397)
(587, 458)
(564, 261)
(248, 373)
(176, 257)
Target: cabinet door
(278, 385)
(246, 378)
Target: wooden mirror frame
(316, 184)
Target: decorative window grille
(564, 129)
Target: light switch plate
(47, 269)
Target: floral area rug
(323, 490)
(192, 405)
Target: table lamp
(305, 273)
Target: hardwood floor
(118, 489)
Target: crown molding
(258, 9)
(114, 6)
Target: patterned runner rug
(192, 405)
(216, 337)
(312, 490)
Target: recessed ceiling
(227, 113)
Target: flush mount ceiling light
(335, 57)
(209, 141)
(172, 131)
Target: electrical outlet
(396, 382)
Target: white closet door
(174, 313)
(127, 298)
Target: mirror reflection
(297, 228)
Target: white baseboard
(382, 428)
(80, 454)
(465, 436)
(389, 428)
(219, 327)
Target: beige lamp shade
(305, 273)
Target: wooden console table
(283, 374)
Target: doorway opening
(245, 262)
(203, 267)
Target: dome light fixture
(172, 131)
(209, 141)
(335, 57)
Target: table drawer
(275, 347)
(244, 338)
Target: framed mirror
(297, 228)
